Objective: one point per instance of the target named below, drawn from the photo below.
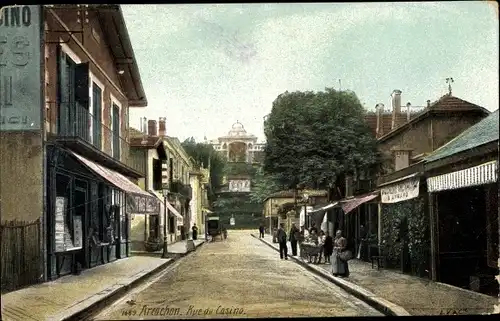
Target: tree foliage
(262, 186)
(204, 155)
(313, 138)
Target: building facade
(70, 146)
(239, 146)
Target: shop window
(171, 225)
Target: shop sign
(399, 192)
(20, 68)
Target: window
(72, 95)
(63, 214)
(115, 128)
(96, 114)
(157, 177)
(171, 224)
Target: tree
(262, 186)
(316, 138)
(204, 155)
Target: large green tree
(262, 186)
(204, 155)
(314, 139)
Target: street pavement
(416, 295)
(238, 277)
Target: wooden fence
(20, 254)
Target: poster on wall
(78, 228)
(59, 223)
(20, 68)
(239, 185)
(401, 191)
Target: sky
(206, 66)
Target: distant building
(239, 146)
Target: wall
(445, 127)
(21, 182)
(152, 154)
(426, 136)
(100, 53)
(137, 232)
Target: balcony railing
(179, 188)
(78, 124)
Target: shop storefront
(88, 212)
(404, 225)
(465, 207)
(355, 221)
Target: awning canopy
(478, 175)
(138, 201)
(324, 207)
(349, 205)
(402, 189)
(180, 218)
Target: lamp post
(165, 222)
(305, 198)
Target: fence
(20, 254)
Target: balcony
(182, 189)
(83, 133)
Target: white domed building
(239, 146)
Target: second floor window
(157, 175)
(96, 109)
(115, 131)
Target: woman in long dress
(328, 247)
(339, 266)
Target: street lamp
(305, 198)
(165, 222)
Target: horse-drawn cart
(214, 227)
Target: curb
(113, 293)
(380, 304)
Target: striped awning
(478, 175)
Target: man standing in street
(293, 237)
(282, 242)
(261, 231)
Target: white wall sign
(399, 192)
(20, 71)
(239, 185)
(59, 223)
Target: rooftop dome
(237, 130)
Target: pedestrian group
(334, 250)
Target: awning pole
(379, 218)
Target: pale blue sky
(204, 66)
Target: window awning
(349, 205)
(138, 200)
(478, 175)
(180, 218)
(323, 208)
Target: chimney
(144, 123)
(161, 126)
(152, 128)
(380, 119)
(428, 103)
(408, 111)
(396, 106)
(140, 125)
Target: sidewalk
(179, 247)
(398, 293)
(71, 294)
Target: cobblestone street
(240, 277)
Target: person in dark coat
(195, 231)
(293, 239)
(261, 231)
(328, 247)
(281, 235)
